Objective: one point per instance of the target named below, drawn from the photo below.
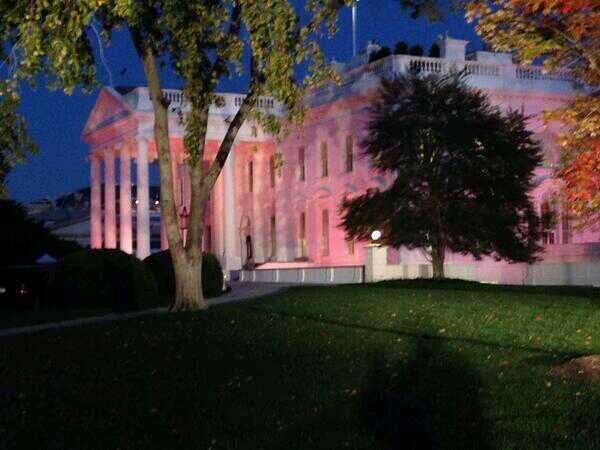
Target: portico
(122, 150)
(104, 232)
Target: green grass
(390, 366)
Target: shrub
(434, 51)
(416, 50)
(161, 265)
(401, 48)
(383, 52)
(102, 278)
(23, 240)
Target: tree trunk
(438, 254)
(188, 282)
(187, 259)
(187, 263)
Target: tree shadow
(429, 400)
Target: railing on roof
(538, 73)
(403, 63)
(230, 102)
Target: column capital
(109, 152)
(143, 136)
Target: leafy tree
(379, 54)
(434, 51)
(565, 34)
(416, 50)
(15, 143)
(202, 42)
(23, 240)
(462, 172)
(401, 48)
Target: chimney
(452, 48)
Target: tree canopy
(15, 143)
(565, 34)
(461, 171)
(202, 42)
(23, 240)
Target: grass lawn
(398, 365)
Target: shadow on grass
(428, 400)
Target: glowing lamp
(376, 235)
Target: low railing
(538, 73)
(404, 63)
(306, 275)
(230, 102)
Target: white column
(231, 232)
(143, 200)
(110, 213)
(96, 202)
(261, 217)
(125, 233)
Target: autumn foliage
(565, 34)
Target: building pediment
(109, 108)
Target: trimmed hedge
(161, 265)
(102, 278)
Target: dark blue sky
(55, 120)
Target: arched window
(273, 238)
(324, 160)
(325, 233)
(566, 225)
(301, 165)
(302, 236)
(272, 171)
(548, 215)
(349, 154)
(250, 176)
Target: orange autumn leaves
(582, 183)
(563, 34)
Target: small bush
(401, 48)
(161, 265)
(416, 50)
(434, 51)
(102, 278)
(383, 52)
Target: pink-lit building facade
(283, 220)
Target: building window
(566, 228)
(301, 165)
(302, 235)
(325, 233)
(549, 218)
(250, 176)
(272, 170)
(324, 160)
(273, 238)
(349, 154)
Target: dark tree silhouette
(23, 240)
(379, 54)
(462, 173)
(401, 48)
(434, 51)
(416, 50)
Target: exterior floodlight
(376, 235)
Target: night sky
(55, 120)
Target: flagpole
(354, 28)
